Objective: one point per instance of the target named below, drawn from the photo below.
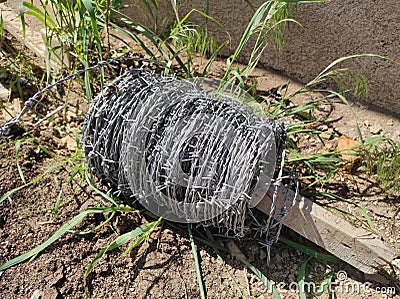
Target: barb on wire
(5, 129)
(189, 151)
(187, 154)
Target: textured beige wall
(336, 28)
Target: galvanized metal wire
(185, 153)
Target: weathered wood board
(356, 246)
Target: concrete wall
(336, 28)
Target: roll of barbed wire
(188, 150)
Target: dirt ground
(163, 266)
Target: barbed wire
(185, 150)
(187, 154)
(32, 101)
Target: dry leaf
(348, 149)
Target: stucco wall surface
(334, 29)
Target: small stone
(50, 293)
(323, 128)
(69, 142)
(263, 254)
(376, 130)
(61, 144)
(56, 277)
(252, 251)
(70, 115)
(396, 263)
(328, 134)
(56, 132)
(4, 93)
(36, 294)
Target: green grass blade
(120, 241)
(57, 204)
(89, 7)
(22, 17)
(57, 235)
(186, 17)
(362, 141)
(35, 180)
(102, 194)
(213, 57)
(262, 277)
(197, 263)
(309, 251)
(142, 238)
(253, 24)
(80, 233)
(10, 192)
(134, 37)
(302, 279)
(85, 61)
(18, 144)
(324, 73)
(149, 7)
(270, 286)
(34, 11)
(366, 216)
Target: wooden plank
(356, 246)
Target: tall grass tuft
(73, 31)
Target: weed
(321, 166)
(17, 68)
(267, 22)
(60, 232)
(137, 236)
(73, 31)
(196, 262)
(1, 30)
(381, 158)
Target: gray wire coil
(186, 154)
